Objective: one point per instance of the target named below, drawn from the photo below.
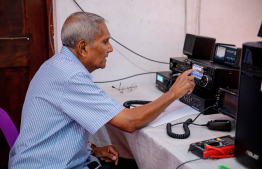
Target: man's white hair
(81, 26)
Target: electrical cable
(78, 6)
(124, 78)
(222, 155)
(129, 50)
(137, 53)
(196, 116)
(198, 20)
(127, 47)
(185, 31)
(188, 162)
(129, 60)
(185, 126)
(185, 18)
(199, 124)
(130, 103)
(49, 24)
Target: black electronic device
(179, 64)
(212, 76)
(227, 55)
(260, 31)
(163, 81)
(200, 99)
(226, 101)
(220, 147)
(199, 47)
(220, 125)
(248, 147)
(208, 74)
(134, 103)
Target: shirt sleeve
(88, 104)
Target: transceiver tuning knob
(188, 63)
(205, 68)
(206, 80)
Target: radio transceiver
(179, 64)
(212, 75)
(227, 101)
(227, 55)
(199, 100)
(207, 74)
(162, 80)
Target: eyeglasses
(125, 89)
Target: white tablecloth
(152, 148)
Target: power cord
(131, 103)
(124, 78)
(127, 47)
(137, 53)
(198, 19)
(130, 51)
(78, 6)
(185, 126)
(188, 162)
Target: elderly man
(63, 104)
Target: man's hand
(183, 84)
(107, 153)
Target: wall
(156, 29)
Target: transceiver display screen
(160, 78)
(229, 140)
(198, 73)
(220, 51)
(229, 104)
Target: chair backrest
(8, 128)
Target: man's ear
(82, 48)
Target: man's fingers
(116, 155)
(190, 91)
(186, 73)
(107, 154)
(112, 150)
(108, 157)
(106, 160)
(191, 78)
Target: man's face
(97, 55)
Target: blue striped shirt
(62, 106)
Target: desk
(152, 148)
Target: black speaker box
(199, 47)
(260, 31)
(248, 147)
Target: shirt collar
(70, 55)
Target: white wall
(156, 29)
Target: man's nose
(110, 48)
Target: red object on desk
(223, 152)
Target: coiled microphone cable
(185, 126)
